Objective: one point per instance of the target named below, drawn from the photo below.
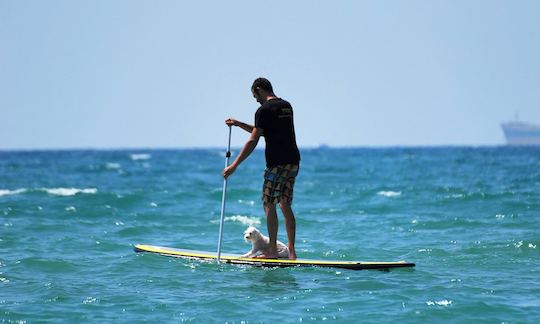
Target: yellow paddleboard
(237, 259)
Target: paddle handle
(223, 198)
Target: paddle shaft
(223, 197)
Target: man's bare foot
(292, 255)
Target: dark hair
(262, 83)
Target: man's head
(261, 90)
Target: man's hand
(229, 171)
(231, 122)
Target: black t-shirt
(275, 118)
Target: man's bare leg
(272, 224)
(290, 225)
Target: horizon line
(306, 147)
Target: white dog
(260, 244)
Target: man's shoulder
(275, 103)
(284, 101)
(280, 101)
(265, 107)
(259, 110)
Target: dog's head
(251, 234)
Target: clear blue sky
(110, 74)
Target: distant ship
(520, 133)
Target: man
(274, 121)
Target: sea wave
(245, 220)
(7, 192)
(68, 191)
(246, 202)
(140, 156)
(389, 193)
(443, 302)
(112, 166)
(51, 191)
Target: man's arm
(233, 122)
(246, 151)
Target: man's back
(275, 118)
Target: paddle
(227, 156)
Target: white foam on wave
(246, 202)
(520, 244)
(389, 193)
(443, 302)
(112, 166)
(140, 156)
(245, 220)
(68, 191)
(7, 192)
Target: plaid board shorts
(279, 183)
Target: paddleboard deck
(281, 263)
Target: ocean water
(468, 217)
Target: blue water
(468, 217)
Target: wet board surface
(281, 263)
